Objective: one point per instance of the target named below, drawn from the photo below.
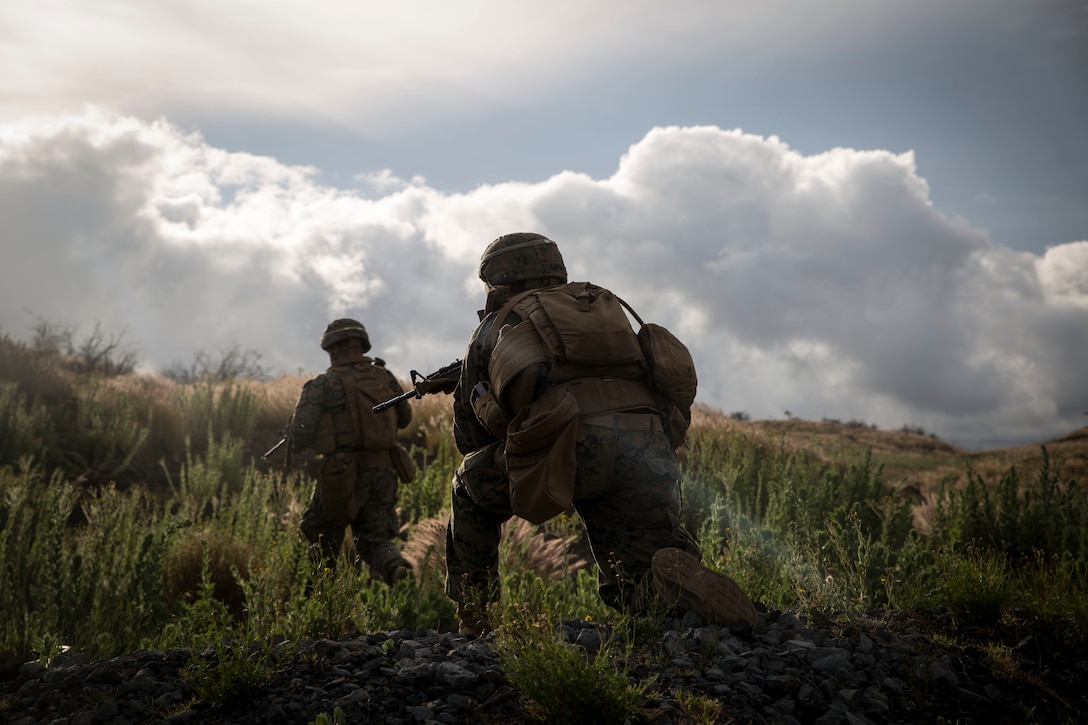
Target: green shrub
(100, 434)
(97, 586)
(207, 555)
(975, 583)
(23, 426)
(1016, 519)
(564, 683)
(429, 494)
(101, 570)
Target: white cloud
(371, 65)
(827, 285)
(1064, 273)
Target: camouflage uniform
(374, 525)
(626, 491)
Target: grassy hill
(135, 512)
(918, 463)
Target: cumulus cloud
(374, 65)
(828, 285)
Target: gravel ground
(885, 669)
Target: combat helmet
(344, 329)
(521, 256)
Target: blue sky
(859, 210)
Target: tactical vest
(581, 331)
(355, 426)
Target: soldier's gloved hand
(436, 385)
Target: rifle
(273, 449)
(443, 380)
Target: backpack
(578, 329)
(356, 426)
(602, 342)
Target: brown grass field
(915, 463)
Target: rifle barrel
(274, 448)
(393, 401)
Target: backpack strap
(629, 309)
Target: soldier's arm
(302, 427)
(468, 432)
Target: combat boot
(398, 573)
(680, 580)
(472, 620)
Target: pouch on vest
(671, 368)
(672, 373)
(483, 475)
(489, 411)
(672, 376)
(540, 457)
(365, 387)
(336, 487)
(676, 425)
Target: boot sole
(681, 580)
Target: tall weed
(23, 425)
(1015, 519)
(790, 527)
(428, 494)
(96, 586)
(101, 437)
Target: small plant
(562, 682)
(48, 646)
(699, 708)
(235, 663)
(337, 718)
(332, 605)
(214, 555)
(420, 604)
(234, 669)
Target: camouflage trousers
(374, 528)
(626, 492)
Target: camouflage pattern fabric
(626, 492)
(469, 433)
(375, 526)
(325, 393)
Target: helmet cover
(344, 329)
(521, 256)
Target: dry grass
(916, 463)
(279, 396)
(182, 571)
(39, 374)
(551, 557)
(1068, 457)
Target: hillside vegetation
(135, 512)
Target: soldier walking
(359, 462)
